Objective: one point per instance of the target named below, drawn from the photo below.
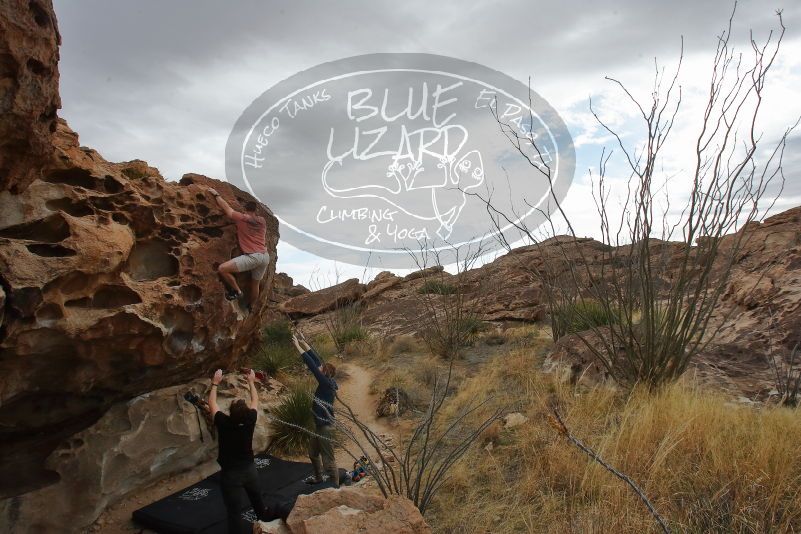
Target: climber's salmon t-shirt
(250, 230)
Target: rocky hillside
(762, 301)
(108, 283)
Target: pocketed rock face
(29, 99)
(111, 291)
(133, 445)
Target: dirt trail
(355, 391)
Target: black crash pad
(199, 508)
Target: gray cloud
(165, 81)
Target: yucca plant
(581, 315)
(345, 325)
(279, 332)
(291, 421)
(436, 287)
(276, 352)
(273, 358)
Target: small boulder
(514, 419)
(394, 401)
(351, 509)
(276, 526)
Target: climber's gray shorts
(256, 263)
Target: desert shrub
(448, 335)
(344, 325)
(494, 339)
(427, 371)
(352, 333)
(436, 287)
(279, 332)
(528, 335)
(295, 409)
(324, 345)
(433, 445)
(276, 352)
(402, 345)
(365, 346)
(787, 376)
(273, 358)
(471, 326)
(388, 378)
(581, 315)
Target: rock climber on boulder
(251, 230)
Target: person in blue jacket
(321, 445)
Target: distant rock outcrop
(761, 302)
(324, 300)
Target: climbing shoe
(230, 294)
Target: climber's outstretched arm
(297, 344)
(254, 394)
(229, 211)
(215, 381)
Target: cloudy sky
(165, 81)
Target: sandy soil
(354, 389)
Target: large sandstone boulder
(29, 99)
(354, 510)
(134, 444)
(112, 291)
(108, 271)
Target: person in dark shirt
(235, 456)
(321, 444)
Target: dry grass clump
(324, 345)
(389, 378)
(403, 344)
(706, 464)
(527, 335)
(381, 349)
(426, 370)
(368, 348)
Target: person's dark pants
(233, 482)
(323, 447)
